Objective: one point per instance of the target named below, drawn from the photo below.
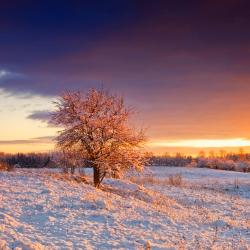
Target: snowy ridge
(38, 211)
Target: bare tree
(96, 125)
(69, 159)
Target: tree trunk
(96, 176)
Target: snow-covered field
(209, 210)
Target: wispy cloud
(40, 115)
(37, 140)
(3, 73)
(6, 74)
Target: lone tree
(95, 125)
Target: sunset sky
(184, 65)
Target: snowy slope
(39, 211)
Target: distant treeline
(178, 160)
(32, 160)
(224, 161)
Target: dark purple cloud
(131, 46)
(40, 115)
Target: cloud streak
(37, 140)
(3, 73)
(40, 115)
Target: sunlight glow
(203, 143)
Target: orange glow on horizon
(27, 148)
(203, 143)
(187, 147)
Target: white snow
(210, 210)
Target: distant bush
(175, 180)
(216, 163)
(242, 166)
(4, 166)
(145, 180)
(223, 164)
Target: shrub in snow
(216, 163)
(236, 183)
(175, 180)
(242, 166)
(201, 163)
(69, 159)
(80, 179)
(144, 180)
(96, 129)
(192, 164)
(226, 164)
(4, 166)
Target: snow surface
(209, 210)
